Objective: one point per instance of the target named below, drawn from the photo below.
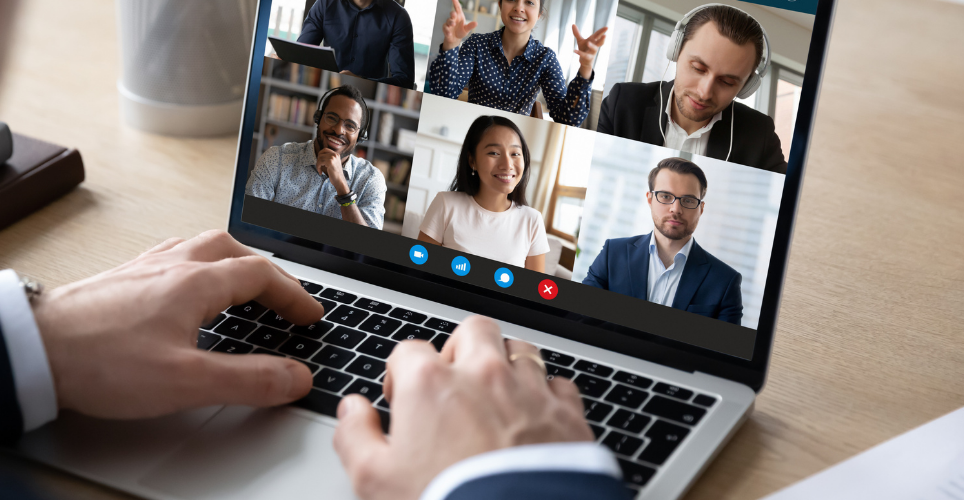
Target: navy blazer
(708, 286)
(558, 485)
(11, 420)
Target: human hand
(122, 344)
(587, 49)
(328, 162)
(348, 73)
(455, 27)
(468, 399)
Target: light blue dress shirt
(286, 174)
(662, 282)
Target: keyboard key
(556, 357)
(311, 366)
(214, 322)
(370, 390)
(664, 437)
(594, 368)
(206, 340)
(635, 473)
(312, 288)
(410, 332)
(628, 421)
(235, 328)
(334, 357)
(265, 351)
(232, 346)
(553, 371)
(314, 330)
(439, 340)
(275, 320)
(348, 316)
(594, 411)
(373, 305)
(627, 396)
(386, 420)
(597, 431)
(320, 402)
(382, 403)
(367, 367)
(330, 380)
(377, 346)
(622, 443)
(344, 337)
(268, 337)
(633, 380)
(329, 305)
(300, 347)
(591, 386)
(704, 400)
(674, 410)
(252, 310)
(672, 391)
(406, 315)
(380, 325)
(441, 325)
(338, 296)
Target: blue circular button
(418, 254)
(504, 277)
(461, 266)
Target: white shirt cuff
(583, 457)
(32, 378)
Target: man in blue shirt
(372, 38)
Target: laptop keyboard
(643, 421)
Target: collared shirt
(677, 138)
(376, 42)
(662, 282)
(480, 62)
(286, 174)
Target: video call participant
(667, 266)
(322, 175)
(486, 212)
(372, 38)
(506, 69)
(723, 54)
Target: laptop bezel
(540, 316)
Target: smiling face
(674, 221)
(520, 16)
(710, 72)
(498, 161)
(333, 132)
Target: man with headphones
(322, 175)
(722, 53)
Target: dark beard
(699, 119)
(682, 233)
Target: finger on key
(475, 337)
(527, 360)
(413, 364)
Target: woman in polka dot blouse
(506, 69)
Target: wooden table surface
(870, 342)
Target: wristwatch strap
(348, 199)
(31, 288)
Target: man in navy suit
(667, 266)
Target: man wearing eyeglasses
(667, 266)
(322, 175)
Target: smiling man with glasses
(667, 266)
(322, 175)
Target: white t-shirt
(458, 222)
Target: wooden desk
(870, 342)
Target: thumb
(471, 26)
(358, 438)
(252, 379)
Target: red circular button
(548, 289)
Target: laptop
(305, 54)
(664, 387)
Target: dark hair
(680, 166)
(467, 183)
(352, 92)
(732, 23)
(543, 11)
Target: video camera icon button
(418, 254)
(461, 266)
(504, 277)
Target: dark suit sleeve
(557, 485)
(11, 420)
(773, 159)
(401, 54)
(607, 112)
(313, 31)
(731, 307)
(598, 274)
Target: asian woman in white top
(486, 212)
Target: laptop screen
(623, 161)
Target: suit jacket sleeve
(608, 111)
(11, 420)
(773, 159)
(731, 308)
(598, 274)
(558, 485)
(401, 54)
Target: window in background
(285, 21)
(656, 61)
(569, 191)
(623, 57)
(786, 100)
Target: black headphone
(363, 135)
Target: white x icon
(548, 289)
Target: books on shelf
(298, 74)
(297, 110)
(394, 208)
(403, 98)
(383, 166)
(398, 172)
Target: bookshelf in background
(291, 93)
